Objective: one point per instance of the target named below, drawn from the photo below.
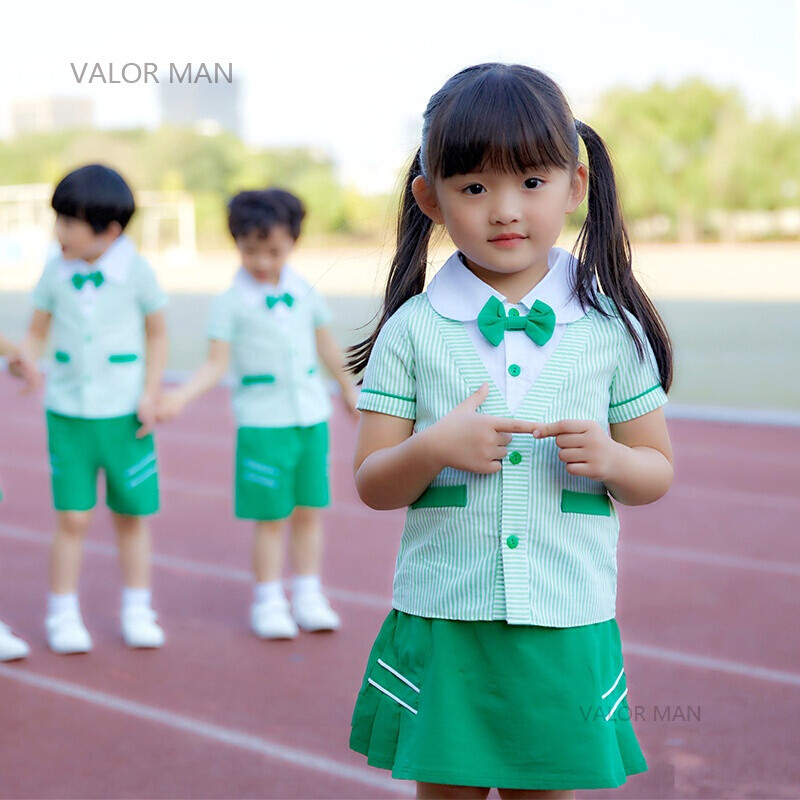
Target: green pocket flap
(62, 357)
(442, 497)
(251, 380)
(123, 358)
(585, 503)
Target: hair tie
(576, 136)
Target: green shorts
(80, 447)
(280, 468)
(498, 705)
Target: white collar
(114, 263)
(256, 292)
(458, 293)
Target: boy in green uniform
(271, 325)
(100, 302)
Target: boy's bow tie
(273, 300)
(79, 279)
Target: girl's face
(264, 256)
(503, 222)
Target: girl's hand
(147, 414)
(584, 446)
(349, 398)
(170, 405)
(21, 368)
(465, 439)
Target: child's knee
(128, 525)
(74, 523)
(305, 516)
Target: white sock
(302, 584)
(59, 603)
(268, 592)
(136, 598)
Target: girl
(12, 647)
(274, 327)
(503, 406)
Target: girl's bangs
(497, 126)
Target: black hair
(261, 210)
(95, 194)
(512, 118)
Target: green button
(514, 370)
(512, 541)
(515, 457)
(87, 338)
(513, 312)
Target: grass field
(733, 311)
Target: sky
(352, 78)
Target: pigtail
(604, 249)
(407, 273)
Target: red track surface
(708, 607)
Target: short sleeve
(389, 381)
(320, 312)
(151, 296)
(220, 326)
(636, 386)
(43, 296)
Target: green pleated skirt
(499, 705)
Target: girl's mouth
(507, 240)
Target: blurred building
(48, 114)
(207, 107)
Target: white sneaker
(11, 647)
(139, 628)
(272, 620)
(313, 612)
(66, 633)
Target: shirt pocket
(442, 497)
(590, 503)
(123, 358)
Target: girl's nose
(504, 211)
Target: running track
(708, 606)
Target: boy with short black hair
(273, 327)
(100, 300)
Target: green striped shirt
(530, 544)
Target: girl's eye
(474, 188)
(530, 181)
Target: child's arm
(207, 375)
(393, 467)
(32, 345)
(23, 362)
(634, 462)
(156, 352)
(7, 347)
(331, 356)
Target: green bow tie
(538, 323)
(78, 280)
(273, 300)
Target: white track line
(713, 559)
(186, 565)
(738, 416)
(686, 493)
(716, 664)
(384, 603)
(216, 733)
